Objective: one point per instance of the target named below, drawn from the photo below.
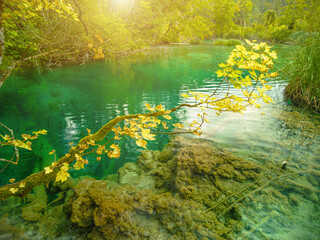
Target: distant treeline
(53, 33)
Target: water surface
(69, 100)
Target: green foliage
(27, 22)
(77, 31)
(227, 42)
(270, 17)
(303, 73)
(302, 15)
(243, 12)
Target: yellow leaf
(22, 185)
(167, 117)
(115, 153)
(25, 136)
(65, 167)
(79, 164)
(164, 125)
(52, 152)
(160, 108)
(273, 74)
(6, 137)
(98, 159)
(63, 175)
(219, 73)
(178, 125)
(148, 107)
(43, 132)
(89, 131)
(146, 134)
(141, 143)
(13, 190)
(12, 180)
(185, 95)
(48, 170)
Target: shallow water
(67, 101)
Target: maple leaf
(141, 143)
(63, 174)
(146, 134)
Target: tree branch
(80, 16)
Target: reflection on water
(69, 100)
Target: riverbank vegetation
(54, 33)
(303, 73)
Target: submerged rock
(190, 190)
(165, 195)
(35, 210)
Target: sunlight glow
(123, 3)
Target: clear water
(67, 101)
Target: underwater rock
(33, 211)
(10, 231)
(190, 190)
(165, 195)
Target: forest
(159, 119)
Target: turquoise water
(69, 100)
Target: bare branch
(16, 150)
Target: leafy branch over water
(247, 69)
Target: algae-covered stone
(190, 190)
(34, 211)
(165, 195)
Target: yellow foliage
(63, 174)
(141, 143)
(13, 190)
(48, 170)
(146, 134)
(12, 180)
(115, 153)
(178, 125)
